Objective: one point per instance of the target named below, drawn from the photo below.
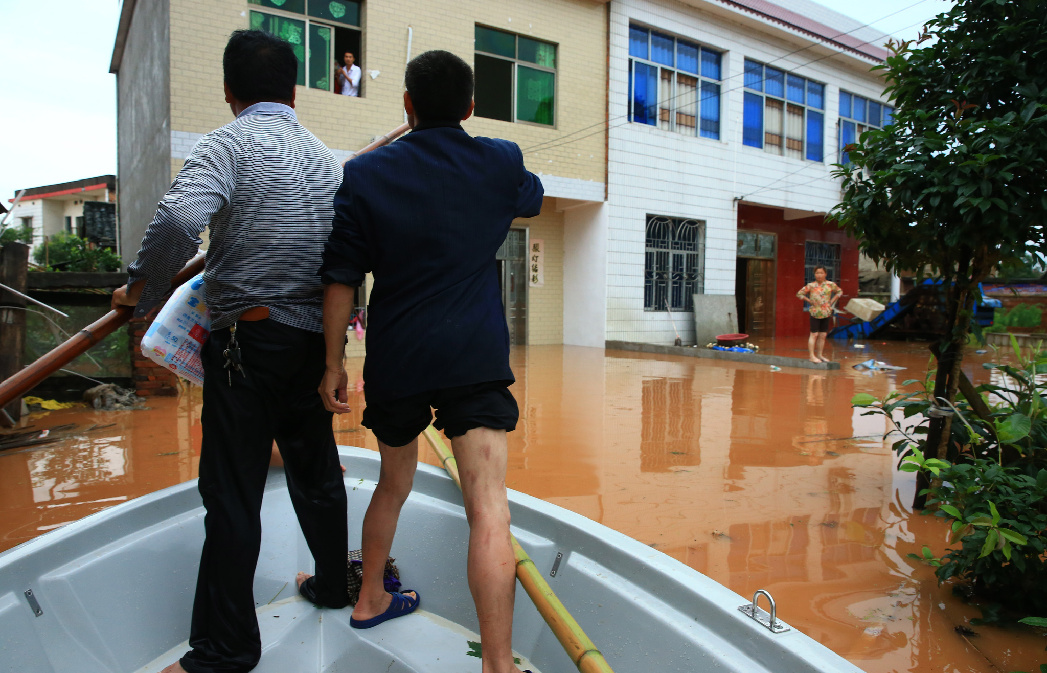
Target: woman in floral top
(822, 295)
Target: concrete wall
(545, 306)
(585, 268)
(651, 171)
(143, 122)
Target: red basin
(731, 339)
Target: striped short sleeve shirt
(265, 186)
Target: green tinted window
(535, 91)
(296, 6)
(291, 30)
(539, 53)
(320, 59)
(495, 42)
(342, 11)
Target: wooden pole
(582, 651)
(14, 267)
(26, 379)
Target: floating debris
(874, 365)
(111, 397)
(40, 404)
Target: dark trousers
(275, 398)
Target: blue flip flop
(401, 605)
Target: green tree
(67, 252)
(21, 234)
(956, 182)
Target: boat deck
(115, 592)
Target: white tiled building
(52, 209)
(687, 162)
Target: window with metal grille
(673, 84)
(817, 254)
(673, 268)
(783, 113)
(858, 115)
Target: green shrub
(67, 252)
(22, 234)
(1022, 315)
(992, 484)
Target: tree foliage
(956, 182)
(67, 252)
(22, 234)
(959, 176)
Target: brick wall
(545, 303)
(200, 29)
(150, 379)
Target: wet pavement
(760, 479)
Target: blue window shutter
(710, 110)
(752, 120)
(645, 94)
(753, 75)
(847, 131)
(815, 136)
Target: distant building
(540, 73)
(686, 146)
(85, 207)
(725, 119)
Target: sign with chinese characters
(536, 262)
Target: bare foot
(362, 612)
(300, 578)
(816, 361)
(176, 667)
(824, 359)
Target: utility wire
(600, 126)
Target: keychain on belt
(232, 356)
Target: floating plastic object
(732, 349)
(981, 351)
(859, 346)
(873, 365)
(179, 331)
(775, 369)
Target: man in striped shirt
(265, 187)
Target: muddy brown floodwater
(759, 479)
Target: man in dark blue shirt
(426, 216)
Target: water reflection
(759, 479)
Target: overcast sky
(58, 100)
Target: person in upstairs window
(348, 75)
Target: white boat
(113, 593)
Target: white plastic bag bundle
(179, 331)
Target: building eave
(127, 11)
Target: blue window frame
(858, 115)
(783, 113)
(674, 84)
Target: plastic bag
(179, 331)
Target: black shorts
(819, 324)
(458, 410)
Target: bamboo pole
(26, 379)
(582, 651)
